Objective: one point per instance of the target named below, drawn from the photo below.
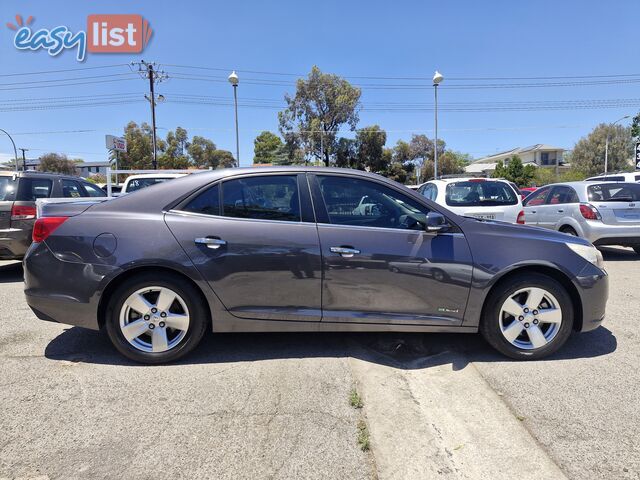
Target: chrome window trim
(222, 217)
(385, 229)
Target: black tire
(569, 231)
(490, 327)
(439, 275)
(198, 317)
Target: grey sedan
(292, 249)
(605, 213)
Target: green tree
(174, 155)
(139, 154)
(58, 163)
(370, 149)
(515, 171)
(202, 152)
(267, 148)
(346, 153)
(635, 126)
(588, 153)
(422, 153)
(321, 105)
(223, 159)
(395, 171)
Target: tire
(500, 328)
(569, 231)
(438, 275)
(161, 343)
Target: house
(540, 155)
(86, 169)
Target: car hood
(504, 229)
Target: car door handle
(211, 242)
(560, 211)
(533, 211)
(346, 252)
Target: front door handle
(345, 252)
(560, 211)
(211, 242)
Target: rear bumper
(14, 243)
(594, 291)
(62, 291)
(599, 233)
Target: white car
(485, 198)
(138, 182)
(616, 177)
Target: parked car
(616, 177)
(605, 213)
(287, 249)
(18, 194)
(526, 191)
(138, 182)
(489, 199)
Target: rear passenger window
(207, 203)
(31, 189)
(563, 194)
(71, 189)
(537, 198)
(93, 191)
(272, 197)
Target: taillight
(589, 212)
(520, 219)
(45, 226)
(23, 212)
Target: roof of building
(514, 151)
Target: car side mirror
(436, 222)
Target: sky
(491, 53)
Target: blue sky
(462, 39)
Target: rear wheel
(152, 320)
(529, 317)
(569, 231)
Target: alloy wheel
(154, 319)
(530, 318)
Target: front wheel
(155, 320)
(529, 317)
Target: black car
(304, 249)
(18, 194)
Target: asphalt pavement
(277, 405)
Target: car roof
(156, 175)
(466, 179)
(33, 173)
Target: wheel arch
(139, 270)
(554, 273)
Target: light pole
(437, 78)
(15, 151)
(606, 145)
(233, 80)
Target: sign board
(638, 156)
(116, 143)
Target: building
(86, 169)
(540, 155)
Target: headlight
(589, 253)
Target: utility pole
(24, 159)
(148, 71)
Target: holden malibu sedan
(304, 249)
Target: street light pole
(15, 151)
(606, 145)
(233, 80)
(437, 78)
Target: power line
(45, 72)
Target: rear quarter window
(31, 189)
(7, 189)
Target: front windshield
(479, 194)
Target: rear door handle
(345, 252)
(533, 211)
(560, 211)
(211, 242)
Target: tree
(515, 171)
(588, 152)
(395, 171)
(139, 154)
(223, 159)
(202, 152)
(346, 153)
(370, 148)
(267, 148)
(422, 152)
(175, 151)
(58, 163)
(322, 104)
(635, 126)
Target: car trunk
(65, 207)
(619, 213)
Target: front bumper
(63, 291)
(14, 243)
(593, 288)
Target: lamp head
(437, 78)
(233, 79)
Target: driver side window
(358, 202)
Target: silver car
(605, 213)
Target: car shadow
(408, 351)
(11, 272)
(618, 254)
